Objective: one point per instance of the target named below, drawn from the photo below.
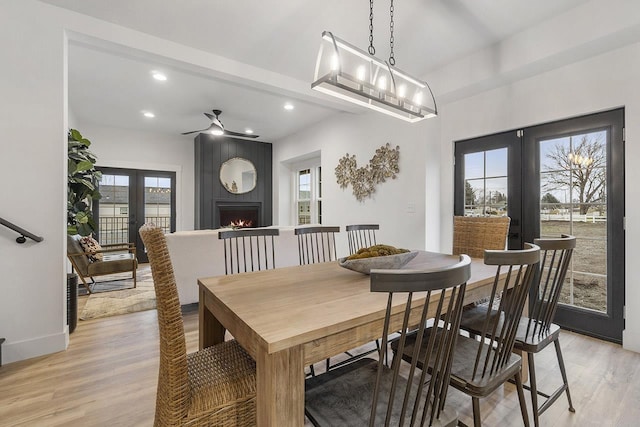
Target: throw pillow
(89, 244)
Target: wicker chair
(215, 386)
(472, 235)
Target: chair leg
(564, 373)
(476, 412)
(533, 389)
(523, 404)
(85, 284)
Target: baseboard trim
(189, 308)
(15, 351)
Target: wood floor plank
(108, 377)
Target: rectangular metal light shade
(346, 72)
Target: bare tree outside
(581, 167)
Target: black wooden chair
(361, 236)
(537, 331)
(248, 249)
(316, 244)
(481, 366)
(367, 392)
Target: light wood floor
(108, 377)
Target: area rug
(105, 302)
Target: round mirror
(238, 175)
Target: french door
(131, 198)
(566, 177)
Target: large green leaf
(75, 135)
(84, 166)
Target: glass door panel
(131, 198)
(157, 201)
(573, 185)
(487, 169)
(576, 186)
(114, 208)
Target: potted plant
(82, 190)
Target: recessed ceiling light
(149, 114)
(249, 131)
(159, 76)
(289, 106)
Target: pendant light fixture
(344, 71)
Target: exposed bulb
(382, 83)
(402, 91)
(335, 62)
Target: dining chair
(481, 366)
(213, 386)
(367, 392)
(472, 235)
(248, 249)
(361, 236)
(316, 244)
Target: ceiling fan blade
(194, 131)
(243, 135)
(210, 116)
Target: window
(308, 195)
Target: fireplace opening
(239, 216)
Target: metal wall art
(363, 180)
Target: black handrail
(24, 233)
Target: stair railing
(23, 233)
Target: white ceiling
(112, 88)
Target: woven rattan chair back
(472, 235)
(555, 260)
(406, 396)
(361, 236)
(248, 249)
(173, 383)
(316, 244)
(215, 386)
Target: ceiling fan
(217, 128)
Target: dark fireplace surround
(211, 196)
(238, 214)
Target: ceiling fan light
(217, 131)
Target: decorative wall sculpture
(363, 180)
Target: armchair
(116, 258)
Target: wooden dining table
(289, 318)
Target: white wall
(126, 148)
(32, 171)
(362, 135)
(599, 83)
(33, 137)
